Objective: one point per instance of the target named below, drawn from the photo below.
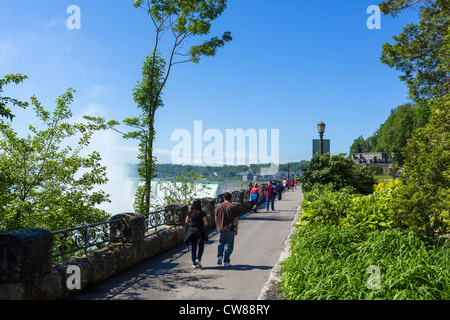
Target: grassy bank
(332, 262)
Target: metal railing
(154, 220)
(82, 239)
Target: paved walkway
(170, 276)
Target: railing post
(26, 254)
(179, 213)
(132, 227)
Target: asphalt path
(170, 276)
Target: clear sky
(291, 64)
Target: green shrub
(331, 262)
(322, 205)
(338, 170)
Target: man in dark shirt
(227, 222)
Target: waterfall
(122, 194)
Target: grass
(331, 262)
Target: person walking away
(279, 189)
(249, 188)
(227, 223)
(291, 182)
(270, 196)
(196, 234)
(254, 197)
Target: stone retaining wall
(28, 273)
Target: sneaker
(198, 264)
(219, 260)
(226, 265)
(195, 266)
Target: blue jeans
(268, 200)
(197, 254)
(226, 244)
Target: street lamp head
(321, 126)
(393, 155)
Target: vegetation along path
(170, 276)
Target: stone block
(126, 256)
(12, 291)
(209, 206)
(149, 247)
(25, 254)
(84, 264)
(179, 213)
(48, 287)
(131, 227)
(103, 265)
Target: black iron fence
(81, 239)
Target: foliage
(423, 203)
(45, 182)
(330, 262)
(421, 52)
(393, 134)
(181, 189)
(4, 111)
(382, 185)
(323, 205)
(339, 171)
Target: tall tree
(422, 51)
(182, 20)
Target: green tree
(422, 51)
(45, 181)
(183, 20)
(393, 134)
(422, 203)
(4, 110)
(359, 146)
(338, 171)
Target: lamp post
(393, 164)
(321, 127)
(289, 173)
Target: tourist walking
(279, 189)
(255, 197)
(227, 223)
(196, 235)
(270, 196)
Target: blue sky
(291, 64)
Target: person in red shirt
(254, 197)
(270, 196)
